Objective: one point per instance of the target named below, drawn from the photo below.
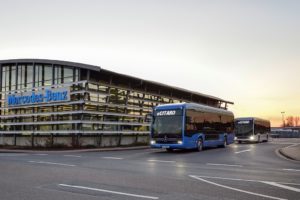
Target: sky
(243, 51)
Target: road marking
(235, 189)
(243, 151)
(246, 180)
(222, 178)
(180, 166)
(72, 156)
(162, 161)
(293, 145)
(282, 186)
(51, 163)
(296, 170)
(108, 191)
(12, 155)
(40, 154)
(113, 158)
(227, 165)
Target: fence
(285, 134)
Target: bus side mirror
(148, 117)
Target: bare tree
(296, 121)
(289, 121)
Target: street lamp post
(282, 114)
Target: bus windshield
(244, 128)
(169, 125)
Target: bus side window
(188, 119)
(227, 124)
(194, 122)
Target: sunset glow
(247, 52)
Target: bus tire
(267, 139)
(224, 142)
(258, 139)
(200, 144)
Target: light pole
(282, 114)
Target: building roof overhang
(99, 68)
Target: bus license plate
(165, 147)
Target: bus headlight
(152, 142)
(251, 137)
(179, 142)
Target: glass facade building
(97, 101)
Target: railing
(286, 134)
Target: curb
(73, 151)
(286, 155)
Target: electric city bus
(191, 126)
(251, 129)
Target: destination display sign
(167, 112)
(244, 122)
(44, 96)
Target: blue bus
(191, 126)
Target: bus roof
(252, 118)
(194, 106)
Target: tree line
(292, 121)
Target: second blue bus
(191, 126)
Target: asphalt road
(241, 171)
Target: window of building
(68, 75)
(47, 75)
(58, 74)
(38, 75)
(29, 81)
(13, 71)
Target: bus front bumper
(248, 139)
(167, 146)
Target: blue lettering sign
(45, 96)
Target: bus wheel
(267, 138)
(224, 142)
(199, 145)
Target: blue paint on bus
(181, 126)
